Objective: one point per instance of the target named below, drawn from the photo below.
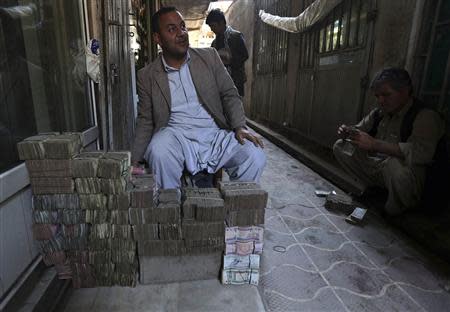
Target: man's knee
(161, 148)
(396, 171)
(259, 158)
(255, 154)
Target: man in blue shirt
(190, 115)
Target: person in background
(394, 145)
(230, 45)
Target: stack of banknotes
(243, 247)
(244, 203)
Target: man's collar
(168, 68)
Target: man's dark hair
(215, 16)
(157, 16)
(396, 78)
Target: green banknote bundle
(88, 185)
(98, 216)
(119, 217)
(113, 186)
(121, 231)
(245, 217)
(119, 201)
(161, 248)
(56, 201)
(114, 165)
(82, 275)
(340, 202)
(64, 146)
(49, 167)
(52, 185)
(169, 196)
(163, 213)
(85, 165)
(33, 147)
(93, 201)
(170, 231)
(46, 217)
(99, 257)
(71, 216)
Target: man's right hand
(137, 170)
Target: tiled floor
(314, 260)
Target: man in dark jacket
(230, 45)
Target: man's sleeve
(239, 50)
(144, 122)
(367, 122)
(229, 96)
(420, 147)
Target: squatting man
(394, 144)
(190, 115)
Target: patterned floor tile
(392, 300)
(372, 235)
(276, 224)
(298, 226)
(321, 238)
(324, 300)
(382, 256)
(292, 282)
(293, 256)
(357, 279)
(324, 260)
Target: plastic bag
(93, 60)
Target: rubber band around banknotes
(280, 249)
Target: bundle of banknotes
(245, 203)
(238, 270)
(340, 202)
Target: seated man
(190, 115)
(393, 145)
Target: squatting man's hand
(357, 137)
(241, 134)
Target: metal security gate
(120, 111)
(333, 70)
(332, 75)
(270, 63)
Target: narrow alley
(232, 155)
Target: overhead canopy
(314, 13)
(193, 11)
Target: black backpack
(437, 179)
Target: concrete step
(40, 291)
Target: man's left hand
(241, 134)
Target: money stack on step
(58, 221)
(180, 242)
(104, 195)
(245, 203)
